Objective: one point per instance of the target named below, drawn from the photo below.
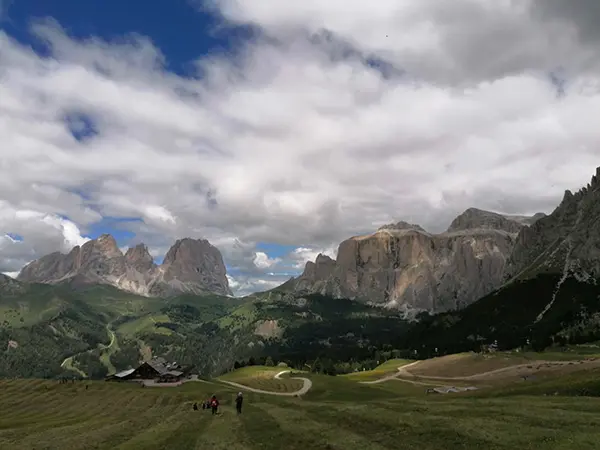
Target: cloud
(337, 118)
(38, 234)
(302, 255)
(245, 285)
(262, 260)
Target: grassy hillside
(336, 414)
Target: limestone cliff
(403, 266)
(193, 266)
(567, 241)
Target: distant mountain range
(399, 266)
(190, 266)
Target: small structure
(157, 369)
(121, 376)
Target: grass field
(262, 377)
(336, 414)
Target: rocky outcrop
(567, 241)
(193, 266)
(405, 267)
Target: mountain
(192, 266)
(551, 293)
(403, 266)
(566, 242)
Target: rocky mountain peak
(186, 249)
(191, 265)
(474, 218)
(197, 264)
(105, 244)
(401, 225)
(323, 259)
(139, 258)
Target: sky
(277, 129)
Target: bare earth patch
(268, 329)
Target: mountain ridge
(402, 265)
(190, 266)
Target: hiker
(195, 406)
(238, 402)
(214, 404)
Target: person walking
(238, 402)
(214, 404)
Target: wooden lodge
(157, 369)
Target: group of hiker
(213, 404)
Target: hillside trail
(307, 386)
(67, 362)
(482, 375)
(404, 375)
(400, 371)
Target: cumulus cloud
(339, 117)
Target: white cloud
(262, 260)
(302, 255)
(299, 141)
(245, 285)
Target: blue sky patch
(180, 31)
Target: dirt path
(302, 391)
(401, 370)
(534, 365)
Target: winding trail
(307, 386)
(401, 371)
(68, 362)
(481, 375)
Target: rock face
(474, 218)
(567, 241)
(403, 266)
(193, 266)
(10, 286)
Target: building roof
(124, 373)
(158, 364)
(175, 373)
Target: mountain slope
(403, 266)
(552, 293)
(568, 240)
(189, 266)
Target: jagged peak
(139, 251)
(473, 218)
(322, 258)
(186, 244)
